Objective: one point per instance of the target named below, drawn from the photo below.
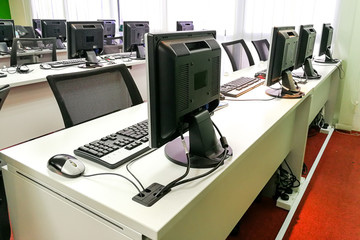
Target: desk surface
(112, 199)
(39, 75)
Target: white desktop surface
(261, 134)
(39, 75)
(30, 109)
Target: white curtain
(232, 19)
(259, 16)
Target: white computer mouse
(66, 165)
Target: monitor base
(303, 76)
(283, 93)
(327, 61)
(175, 152)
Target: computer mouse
(66, 165)
(45, 66)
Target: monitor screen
(307, 36)
(37, 27)
(134, 32)
(281, 62)
(325, 44)
(84, 40)
(109, 27)
(54, 28)
(183, 75)
(184, 25)
(7, 31)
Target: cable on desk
(341, 70)
(174, 182)
(179, 180)
(128, 169)
(115, 174)
(244, 100)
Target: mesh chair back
(86, 95)
(239, 54)
(4, 91)
(32, 50)
(262, 47)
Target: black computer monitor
(134, 39)
(7, 31)
(37, 27)
(281, 62)
(307, 36)
(183, 86)
(84, 40)
(184, 25)
(54, 28)
(109, 27)
(325, 44)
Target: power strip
(325, 130)
(286, 204)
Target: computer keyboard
(240, 86)
(67, 62)
(118, 148)
(118, 55)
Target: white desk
(61, 54)
(44, 205)
(30, 110)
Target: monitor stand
(205, 149)
(288, 89)
(328, 58)
(309, 71)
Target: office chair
(25, 31)
(108, 49)
(21, 50)
(4, 91)
(86, 95)
(262, 47)
(239, 54)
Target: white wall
(346, 47)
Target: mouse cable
(115, 174)
(128, 169)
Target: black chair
(4, 91)
(239, 54)
(262, 47)
(89, 94)
(32, 50)
(25, 31)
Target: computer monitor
(307, 36)
(84, 40)
(54, 28)
(184, 25)
(7, 31)
(325, 44)
(183, 76)
(109, 27)
(134, 32)
(281, 62)
(37, 27)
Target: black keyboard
(118, 148)
(240, 86)
(68, 62)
